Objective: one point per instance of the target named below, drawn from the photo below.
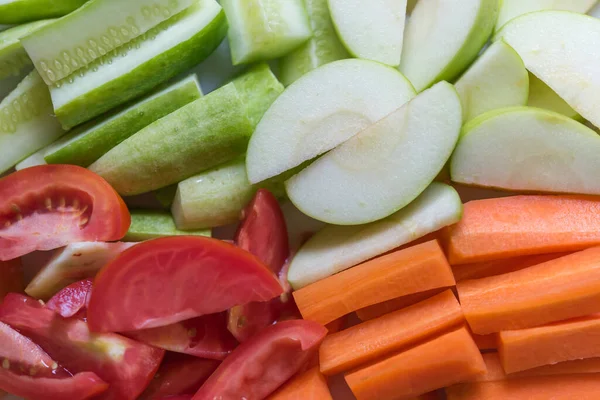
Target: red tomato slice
(262, 364)
(72, 299)
(205, 337)
(27, 371)
(49, 206)
(11, 277)
(167, 280)
(181, 397)
(126, 365)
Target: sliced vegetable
(416, 269)
(147, 225)
(501, 228)
(78, 205)
(386, 307)
(366, 342)
(263, 30)
(511, 9)
(166, 195)
(11, 277)
(33, 160)
(542, 96)
(486, 342)
(207, 275)
(21, 11)
(310, 385)
(449, 359)
(172, 47)
(567, 287)
(72, 299)
(286, 345)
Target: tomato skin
(163, 281)
(11, 277)
(50, 206)
(72, 299)
(181, 397)
(260, 365)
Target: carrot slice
(514, 226)
(498, 267)
(486, 342)
(370, 340)
(379, 309)
(336, 325)
(415, 269)
(564, 288)
(310, 385)
(444, 361)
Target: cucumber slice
(92, 31)
(172, 47)
(146, 225)
(26, 121)
(373, 30)
(542, 96)
(33, 160)
(22, 11)
(336, 248)
(91, 141)
(265, 29)
(323, 48)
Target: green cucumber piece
(5, 27)
(92, 140)
(92, 31)
(21, 11)
(172, 47)
(26, 121)
(146, 225)
(33, 160)
(265, 29)
(324, 47)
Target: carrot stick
(415, 269)
(550, 344)
(486, 342)
(370, 340)
(444, 361)
(428, 396)
(564, 288)
(336, 325)
(514, 226)
(310, 385)
(379, 309)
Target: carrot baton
(486, 342)
(310, 385)
(379, 309)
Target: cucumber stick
(265, 29)
(324, 47)
(170, 48)
(146, 225)
(92, 31)
(26, 121)
(21, 11)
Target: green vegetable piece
(21, 11)
(170, 48)
(265, 29)
(146, 225)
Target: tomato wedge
(11, 277)
(49, 206)
(262, 364)
(205, 337)
(126, 365)
(27, 371)
(171, 279)
(72, 299)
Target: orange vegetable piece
(336, 325)
(486, 342)
(379, 309)
(311, 385)
(412, 270)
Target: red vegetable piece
(72, 299)
(260, 365)
(11, 277)
(172, 279)
(181, 397)
(126, 365)
(49, 206)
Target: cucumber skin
(146, 76)
(96, 143)
(146, 225)
(21, 11)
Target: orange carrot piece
(11, 277)
(514, 226)
(336, 325)
(486, 342)
(428, 396)
(412, 270)
(379, 309)
(564, 288)
(449, 359)
(310, 385)
(558, 387)
(373, 339)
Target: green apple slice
(372, 30)
(321, 110)
(336, 248)
(542, 96)
(265, 29)
(595, 11)
(559, 48)
(22, 11)
(530, 149)
(170, 48)
(497, 79)
(514, 8)
(410, 6)
(352, 184)
(443, 37)
(324, 46)
(146, 225)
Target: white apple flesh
(513, 8)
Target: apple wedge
(336, 248)
(513, 8)
(559, 47)
(542, 96)
(525, 148)
(372, 30)
(386, 166)
(497, 79)
(321, 110)
(443, 37)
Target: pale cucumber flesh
(33, 160)
(146, 225)
(22, 11)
